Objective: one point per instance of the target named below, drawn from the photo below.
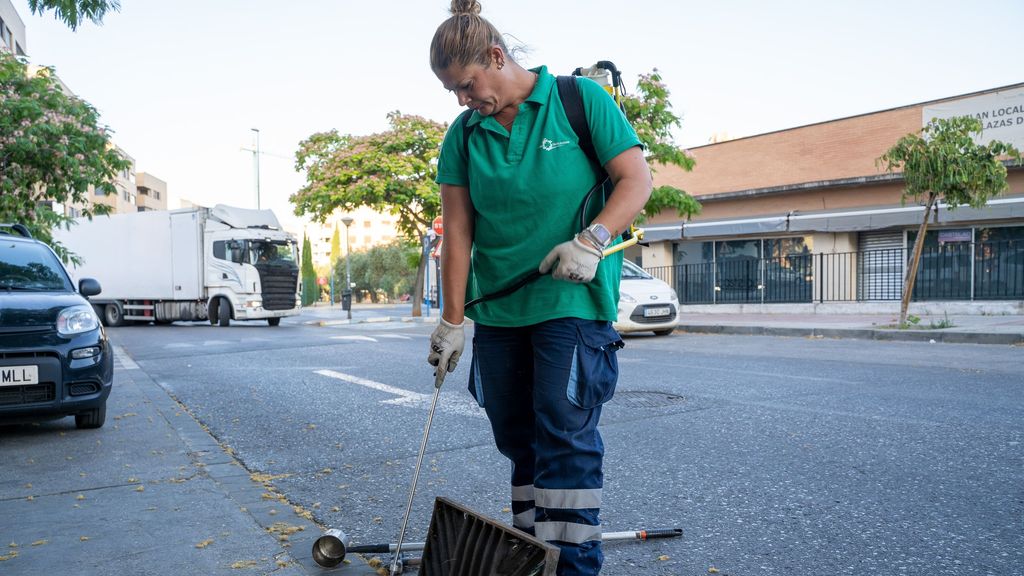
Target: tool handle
(661, 533)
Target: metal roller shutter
(880, 269)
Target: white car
(646, 304)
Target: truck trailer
(218, 264)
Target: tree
(388, 270)
(75, 12)
(391, 171)
(335, 256)
(944, 162)
(310, 288)
(650, 113)
(52, 149)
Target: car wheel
(273, 321)
(113, 315)
(664, 332)
(92, 419)
(224, 313)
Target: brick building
(806, 215)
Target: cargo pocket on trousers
(596, 367)
(476, 388)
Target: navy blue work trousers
(542, 387)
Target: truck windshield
(272, 251)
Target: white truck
(217, 264)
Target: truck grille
(32, 394)
(279, 285)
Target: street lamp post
(256, 165)
(347, 221)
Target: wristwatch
(599, 234)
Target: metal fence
(954, 271)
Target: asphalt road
(774, 455)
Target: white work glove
(577, 261)
(446, 345)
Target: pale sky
(182, 82)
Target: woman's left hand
(577, 261)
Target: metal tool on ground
(330, 549)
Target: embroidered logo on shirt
(548, 144)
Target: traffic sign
(438, 227)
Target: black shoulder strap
(572, 102)
(466, 131)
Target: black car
(55, 359)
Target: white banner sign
(1001, 114)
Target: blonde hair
(464, 38)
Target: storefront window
(944, 272)
(999, 263)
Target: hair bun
(460, 7)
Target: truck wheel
(273, 321)
(92, 419)
(224, 313)
(113, 315)
(211, 311)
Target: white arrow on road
(408, 397)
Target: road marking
(122, 356)
(409, 398)
(360, 338)
(398, 336)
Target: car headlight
(76, 320)
(626, 297)
(674, 297)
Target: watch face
(601, 233)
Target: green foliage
(310, 289)
(388, 270)
(945, 161)
(650, 113)
(391, 171)
(335, 247)
(52, 149)
(75, 12)
(669, 198)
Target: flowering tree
(52, 149)
(391, 171)
(650, 113)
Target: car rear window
(30, 266)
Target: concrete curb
(860, 333)
(374, 320)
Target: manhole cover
(646, 399)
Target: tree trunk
(417, 289)
(908, 284)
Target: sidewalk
(964, 328)
(151, 492)
(969, 329)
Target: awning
(855, 220)
(739, 227)
(661, 232)
(997, 209)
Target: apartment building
(12, 29)
(151, 192)
(368, 228)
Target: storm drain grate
(646, 399)
(461, 542)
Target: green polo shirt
(527, 187)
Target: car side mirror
(89, 287)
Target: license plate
(655, 312)
(19, 375)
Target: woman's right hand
(446, 346)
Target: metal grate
(32, 394)
(83, 388)
(646, 399)
(279, 284)
(461, 542)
